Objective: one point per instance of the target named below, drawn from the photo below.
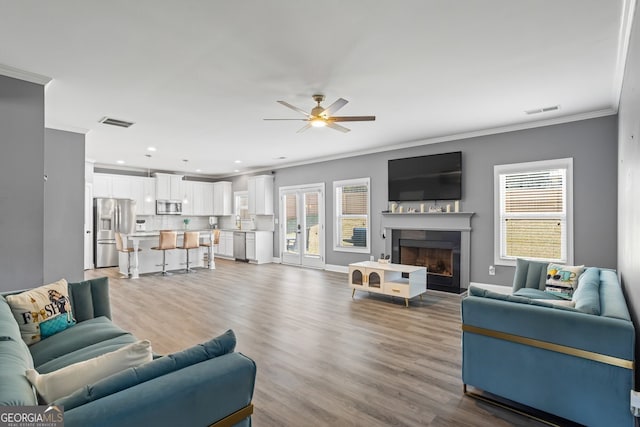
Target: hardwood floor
(324, 359)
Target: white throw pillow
(562, 302)
(65, 381)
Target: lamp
(318, 122)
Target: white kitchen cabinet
(259, 246)
(222, 198)
(260, 195)
(207, 194)
(225, 245)
(116, 186)
(169, 187)
(102, 185)
(188, 198)
(148, 204)
(202, 198)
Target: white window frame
(566, 163)
(337, 214)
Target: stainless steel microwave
(168, 207)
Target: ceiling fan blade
(338, 127)
(352, 118)
(294, 108)
(303, 128)
(341, 102)
(304, 120)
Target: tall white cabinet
(260, 189)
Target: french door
(302, 225)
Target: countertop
(154, 233)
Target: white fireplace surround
(453, 221)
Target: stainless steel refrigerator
(111, 216)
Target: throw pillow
(65, 381)
(43, 311)
(564, 276)
(164, 365)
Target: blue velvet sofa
(208, 384)
(575, 363)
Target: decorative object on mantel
(434, 209)
(400, 209)
(456, 205)
(394, 206)
(421, 207)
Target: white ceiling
(198, 77)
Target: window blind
(352, 214)
(533, 214)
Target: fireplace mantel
(458, 221)
(437, 221)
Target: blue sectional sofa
(209, 384)
(575, 363)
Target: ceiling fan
(320, 116)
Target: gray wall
(21, 183)
(63, 206)
(589, 142)
(629, 180)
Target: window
(241, 204)
(533, 211)
(351, 226)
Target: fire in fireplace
(439, 251)
(437, 260)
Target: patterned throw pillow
(43, 311)
(563, 279)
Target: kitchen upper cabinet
(102, 185)
(143, 192)
(113, 186)
(149, 199)
(188, 199)
(169, 187)
(200, 198)
(222, 198)
(260, 195)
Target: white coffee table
(388, 279)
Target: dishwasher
(239, 246)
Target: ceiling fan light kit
(321, 117)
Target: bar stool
(214, 239)
(127, 250)
(168, 241)
(191, 240)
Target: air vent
(115, 122)
(543, 110)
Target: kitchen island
(150, 261)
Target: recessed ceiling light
(120, 162)
(198, 170)
(237, 161)
(280, 158)
(236, 170)
(151, 148)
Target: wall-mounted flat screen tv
(434, 177)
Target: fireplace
(437, 250)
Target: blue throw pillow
(130, 377)
(530, 274)
(587, 296)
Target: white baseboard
(276, 260)
(336, 268)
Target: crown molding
(624, 38)
(28, 76)
(453, 137)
